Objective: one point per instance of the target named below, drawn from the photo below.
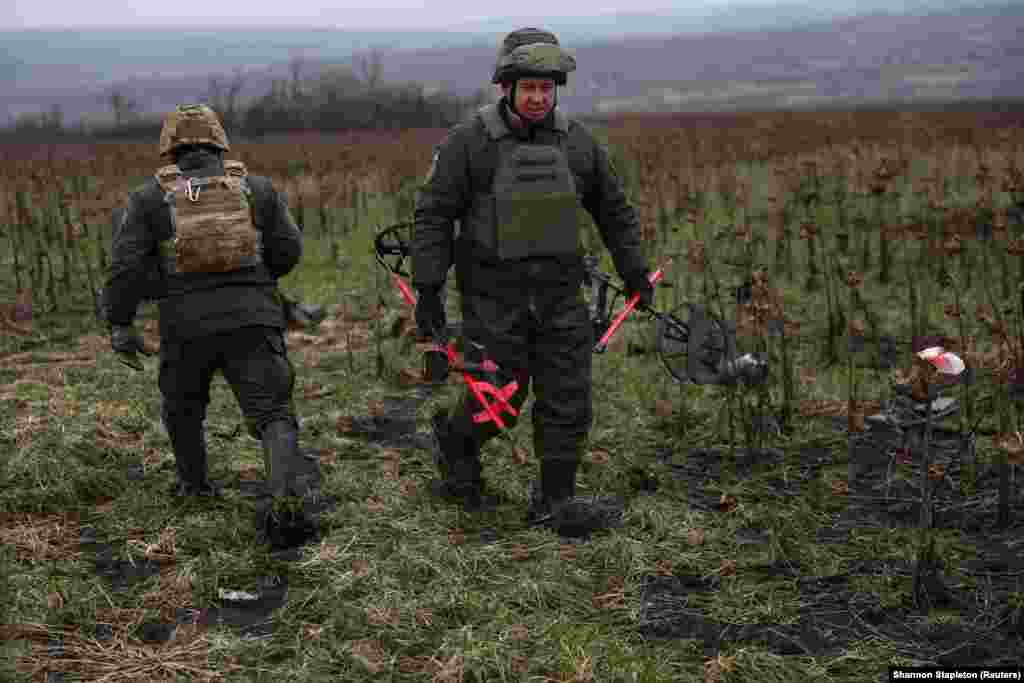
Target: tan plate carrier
(212, 221)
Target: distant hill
(741, 16)
(787, 55)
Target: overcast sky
(386, 14)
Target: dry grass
(174, 593)
(41, 537)
(334, 335)
(122, 659)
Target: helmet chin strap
(512, 98)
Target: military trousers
(253, 360)
(539, 340)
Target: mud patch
(752, 536)
(883, 490)
(704, 469)
(385, 430)
(393, 423)
(154, 632)
(251, 617)
(580, 517)
(832, 617)
(135, 472)
(158, 558)
(122, 573)
(489, 536)
(885, 481)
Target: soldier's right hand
(430, 316)
(126, 342)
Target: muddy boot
(190, 458)
(458, 462)
(282, 519)
(289, 472)
(554, 504)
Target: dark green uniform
(518, 261)
(231, 322)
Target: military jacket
(197, 304)
(462, 178)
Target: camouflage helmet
(192, 124)
(532, 52)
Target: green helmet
(192, 124)
(532, 52)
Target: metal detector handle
(602, 345)
(407, 292)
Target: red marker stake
(602, 345)
(410, 298)
(407, 294)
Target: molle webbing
(212, 220)
(535, 204)
(531, 208)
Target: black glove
(638, 282)
(430, 316)
(126, 342)
(298, 315)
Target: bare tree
(223, 95)
(53, 119)
(123, 106)
(371, 66)
(296, 65)
(335, 83)
(216, 94)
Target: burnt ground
(882, 491)
(395, 425)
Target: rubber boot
(188, 441)
(282, 520)
(289, 472)
(458, 462)
(556, 486)
(554, 503)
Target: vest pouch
(213, 225)
(535, 204)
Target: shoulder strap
(561, 121)
(493, 123)
(168, 177)
(497, 128)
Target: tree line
(334, 98)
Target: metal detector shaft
(449, 352)
(390, 243)
(407, 294)
(482, 400)
(602, 345)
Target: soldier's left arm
(605, 200)
(133, 250)
(282, 239)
